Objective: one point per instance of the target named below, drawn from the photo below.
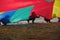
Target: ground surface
(43, 31)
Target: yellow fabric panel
(1, 12)
(56, 8)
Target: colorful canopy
(16, 10)
(41, 7)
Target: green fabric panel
(21, 14)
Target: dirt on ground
(37, 31)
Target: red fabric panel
(6, 5)
(44, 8)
